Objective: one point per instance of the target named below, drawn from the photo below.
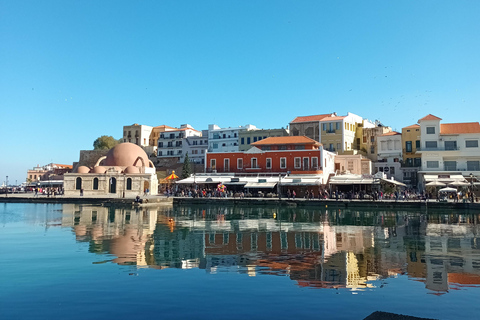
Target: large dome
(126, 154)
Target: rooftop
(286, 140)
(459, 128)
(310, 118)
(430, 117)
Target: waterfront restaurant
(273, 164)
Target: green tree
(105, 143)
(186, 169)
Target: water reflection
(316, 248)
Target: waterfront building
(50, 171)
(196, 147)
(247, 137)
(411, 159)
(389, 148)
(308, 126)
(449, 151)
(170, 143)
(291, 161)
(369, 139)
(225, 139)
(125, 171)
(154, 136)
(355, 164)
(138, 134)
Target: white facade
(389, 153)
(225, 139)
(452, 147)
(338, 133)
(196, 147)
(170, 143)
(138, 134)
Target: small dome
(99, 169)
(126, 154)
(83, 169)
(131, 169)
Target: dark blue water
(87, 262)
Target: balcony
(330, 131)
(439, 149)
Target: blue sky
(71, 71)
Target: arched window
(95, 184)
(78, 183)
(129, 184)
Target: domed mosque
(125, 170)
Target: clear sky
(71, 71)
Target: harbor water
(79, 261)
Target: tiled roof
(310, 118)
(63, 166)
(332, 118)
(163, 127)
(393, 133)
(430, 117)
(458, 128)
(286, 140)
(412, 126)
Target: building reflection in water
(316, 248)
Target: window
(471, 143)
(339, 147)
(226, 164)
(430, 144)
(450, 165)
(215, 145)
(417, 162)
(324, 126)
(473, 165)
(314, 163)
(299, 147)
(283, 163)
(78, 183)
(417, 144)
(268, 164)
(337, 126)
(129, 184)
(95, 184)
(372, 139)
(432, 164)
(213, 163)
(248, 140)
(254, 163)
(408, 146)
(254, 139)
(372, 149)
(297, 163)
(450, 145)
(430, 130)
(364, 139)
(160, 144)
(239, 163)
(242, 140)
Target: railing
(330, 131)
(439, 149)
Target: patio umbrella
(173, 176)
(447, 190)
(436, 183)
(459, 184)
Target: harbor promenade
(249, 201)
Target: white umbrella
(459, 184)
(436, 183)
(447, 190)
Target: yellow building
(411, 160)
(339, 133)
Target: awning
(268, 185)
(395, 182)
(237, 183)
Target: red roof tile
(333, 118)
(412, 126)
(393, 133)
(286, 140)
(458, 128)
(430, 117)
(310, 118)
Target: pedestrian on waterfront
(294, 194)
(289, 194)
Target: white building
(195, 146)
(225, 139)
(170, 143)
(138, 134)
(450, 148)
(389, 153)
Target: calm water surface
(90, 262)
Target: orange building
(293, 154)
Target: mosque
(124, 171)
